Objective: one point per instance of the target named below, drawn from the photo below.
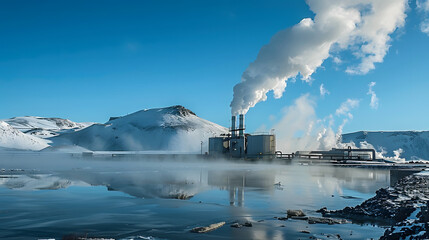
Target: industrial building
(339, 154)
(238, 144)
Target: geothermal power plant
(238, 144)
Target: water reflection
(139, 192)
(235, 182)
(166, 180)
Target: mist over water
(52, 195)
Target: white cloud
(374, 99)
(346, 107)
(424, 27)
(362, 25)
(323, 91)
(423, 6)
(337, 60)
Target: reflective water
(57, 195)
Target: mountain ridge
(413, 144)
(174, 128)
(44, 127)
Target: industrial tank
(261, 145)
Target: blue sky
(89, 60)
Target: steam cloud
(300, 129)
(361, 25)
(300, 118)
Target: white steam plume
(301, 130)
(361, 25)
(423, 5)
(298, 118)
(374, 99)
(381, 153)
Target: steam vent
(239, 144)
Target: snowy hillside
(12, 138)
(414, 144)
(173, 129)
(44, 127)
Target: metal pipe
(233, 122)
(241, 125)
(348, 150)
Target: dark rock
(236, 225)
(299, 218)
(330, 221)
(322, 210)
(396, 204)
(295, 213)
(349, 197)
(248, 224)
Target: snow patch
(14, 139)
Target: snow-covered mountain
(14, 139)
(171, 129)
(414, 144)
(44, 127)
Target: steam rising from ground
(301, 130)
(363, 26)
(381, 153)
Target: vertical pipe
(241, 125)
(233, 122)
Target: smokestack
(241, 125)
(233, 122)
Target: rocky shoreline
(405, 207)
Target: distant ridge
(415, 144)
(44, 127)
